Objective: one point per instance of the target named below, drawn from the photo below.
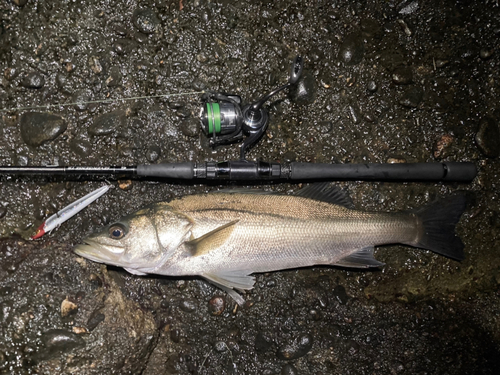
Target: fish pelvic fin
(362, 258)
(230, 280)
(211, 240)
(438, 222)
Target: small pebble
(10, 73)
(3, 212)
(485, 53)
(153, 153)
(340, 294)
(108, 123)
(263, 342)
(125, 184)
(412, 97)
(60, 341)
(352, 50)
(402, 75)
(95, 64)
(304, 92)
(114, 78)
(188, 305)
(190, 127)
(81, 147)
(372, 86)
(299, 347)
(220, 346)
(442, 144)
(81, 97)
(216, 305)
(68, 307)
(289, 369)
(145, 20)
(95, 319)
(488, 137)
(33, 80)
(38, 128)
(80, 330)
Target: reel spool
(223, 119)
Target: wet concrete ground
(384, 81)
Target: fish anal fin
(362, 258)
(135, 272)
(236, 279)
(211, 240)
(322, 191)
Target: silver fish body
(226, 237)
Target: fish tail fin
(439, 220)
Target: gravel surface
(384, 81)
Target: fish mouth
(98, 252)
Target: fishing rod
(224, 120)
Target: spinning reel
(225, 121)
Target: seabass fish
(226, 237)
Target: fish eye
(117, 231)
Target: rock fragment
(352, 50)
(488, 137)
(38, 127)
(145, 20)
(68, 307)
(108, 123)
(33, 80)
(299, 347)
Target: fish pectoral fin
(135, 272)
(211, 240)
(362, 258)
(230, 280)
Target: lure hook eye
(117, 231)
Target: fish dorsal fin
(362, 258)
(322, 191)
(211, 240)
(135, 272)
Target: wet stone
(115, 77)
(108, 123)
(402, 75)
(81, 147)
(38, 128)
(188, 305)
(412, 97)
(216, 305)
(81, 97)
(153, 153)
(352, 50)
(299, 347)
(372, 86)
(340, 294)
(190, 127)
(145, 20)
(33, 80)
(485, 53)
(289, 369)
(263, 342)
(304, 92)
(488, 137)
(68, 308)
(60, 341)
(325, 127)
(3, 212)
(95, 319)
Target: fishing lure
(69, 211)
